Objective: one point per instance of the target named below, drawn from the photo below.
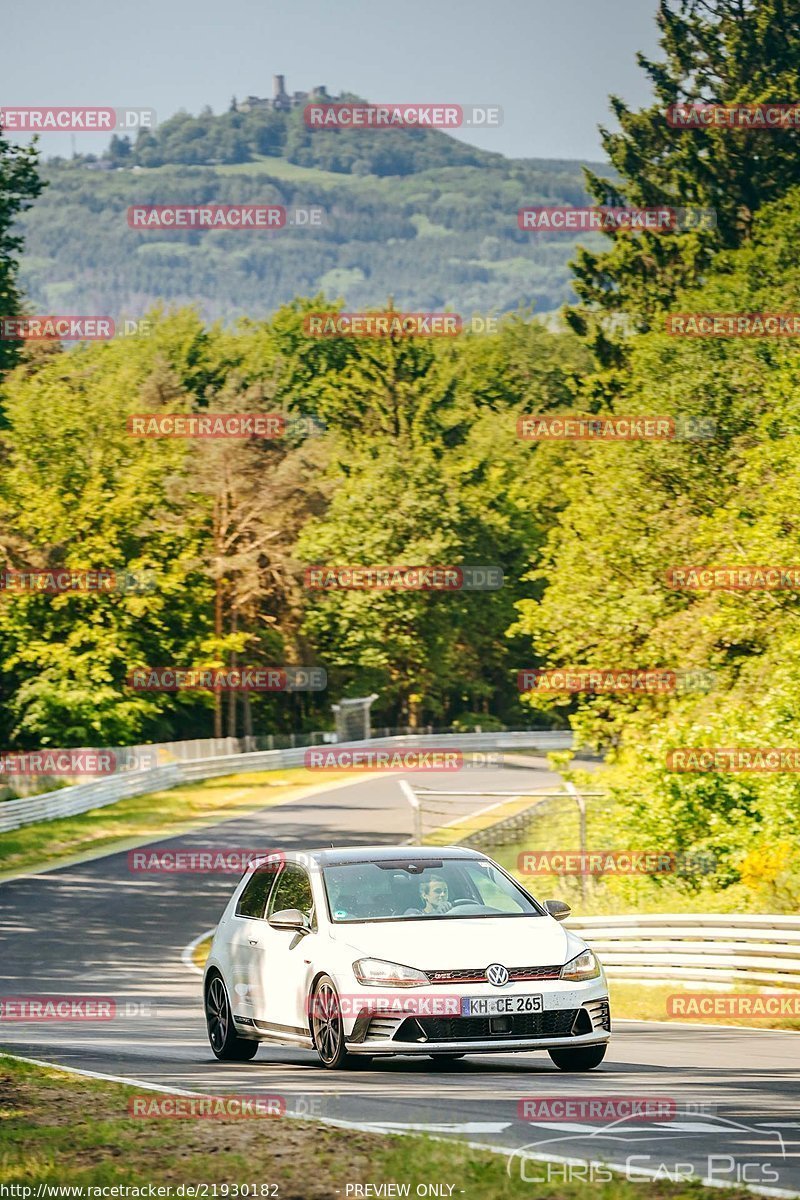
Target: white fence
(719, 948)
(68, 801)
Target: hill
(412, 214)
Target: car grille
(555, 1022)
(478, 974)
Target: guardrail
(720, 948)
(68, 801)
(82, 797)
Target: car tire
(327, 1027)
(583, 1058)
(225, 1043)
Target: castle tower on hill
(281, 100)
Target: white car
(374, 951)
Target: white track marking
(697, 1025)
(188, 951)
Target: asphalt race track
(96, 928)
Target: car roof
(339, 855)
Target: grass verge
(200, 952)
(65, 1130)
(645, 1002)
(454, 833)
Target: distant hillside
(238, 137)
(414, 215)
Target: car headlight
(376, 972)
(585, 966)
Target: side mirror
(557, 909)
(288, 918)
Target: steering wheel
(474, 903)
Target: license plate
(500, 1006)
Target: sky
(549, 65)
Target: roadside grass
(201, 952)
(460, 828)
(155, 816)
(555, 828)
(648, 1002)
(66, 1130)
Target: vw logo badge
(497, 974)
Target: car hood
(460, 942)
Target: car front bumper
(573, 1014)
(493, 1045)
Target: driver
(434, 893)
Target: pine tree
(715, 51)
(19, 186)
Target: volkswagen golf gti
(359, 953)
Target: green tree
(429, 471)
(19, 186)
(633, 511)
(714, 51)
(77, 492)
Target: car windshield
(422, 889)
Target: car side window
(293, 890)
(253, 899)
